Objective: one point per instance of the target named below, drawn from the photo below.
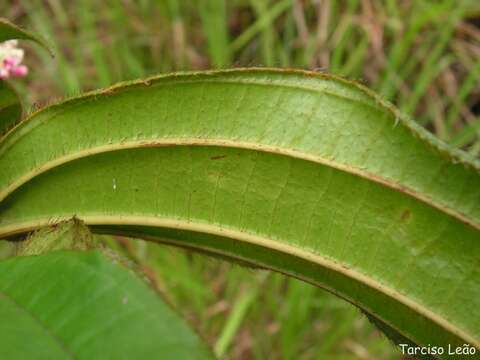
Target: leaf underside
(85, 305)
(303, 173)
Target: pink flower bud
(11, 60)
(19, 71)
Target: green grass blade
(267, 38)
(215, 28)
(67, 77)
(261, 24)
(467, 134)
(423, 15)
(467, 86)
(233, 322)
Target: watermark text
(465, 349)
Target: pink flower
(11, 60)
(19, 71)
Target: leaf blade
(302, 173)
(387, 153)
(85, 305)
(10, 31)
(183, 199)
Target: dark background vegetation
(423, 55)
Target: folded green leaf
(85, 305)
(303, 173)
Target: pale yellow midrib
(188, 77)
(254, 239)
(91, 96)
(132, 144)
(193, 246)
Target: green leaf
(10, 107)
(9, 31)
(303, 173)
(85, 305)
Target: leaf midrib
(161, 142)
(176, 78)
(116, 89)
(265, 242)
(62, 346)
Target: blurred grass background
(423, 55)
